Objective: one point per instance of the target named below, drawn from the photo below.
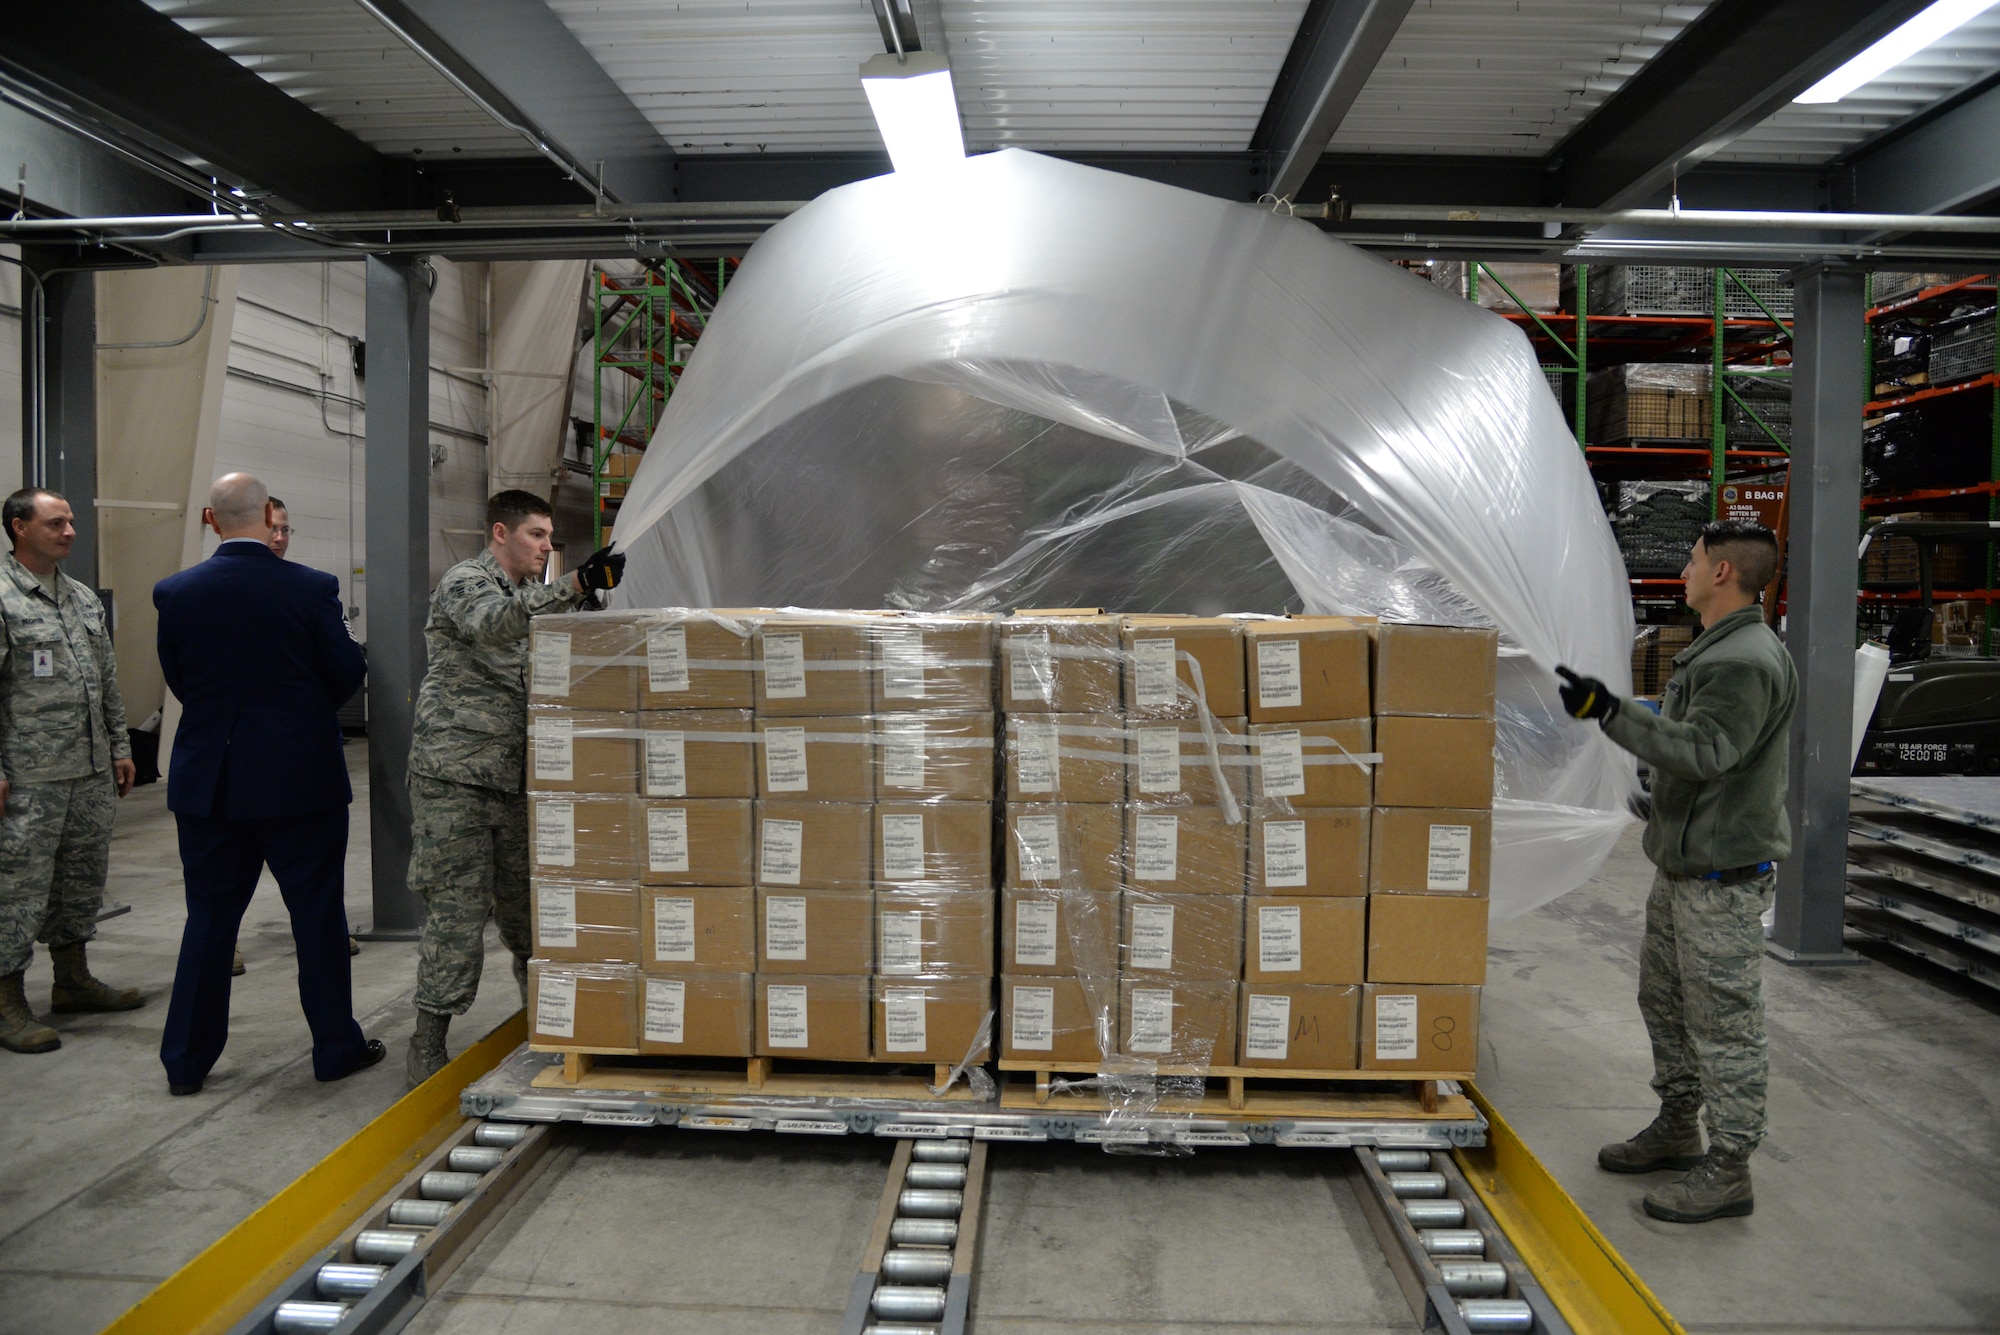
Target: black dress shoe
(372, 1053)
(179, 1091)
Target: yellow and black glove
(1586, 697)
(602, 571)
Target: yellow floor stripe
(1581, 1271)
(215, 1289)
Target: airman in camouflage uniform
(66, 760)
(468, 760)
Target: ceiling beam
(1948, 163)
(1336, 49)
(1728, 70)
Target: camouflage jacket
(472, 711)
(61, 716)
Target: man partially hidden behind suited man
(1718, 754)
(259, 654)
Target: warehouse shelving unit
(1923, 871)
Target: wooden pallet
(787, 1077)
(1256, 1091)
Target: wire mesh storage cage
(1766, 393)
(1656, 523)
(1672, 289)
(1962, 347)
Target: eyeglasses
(283, 531)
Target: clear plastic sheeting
(1023, 382)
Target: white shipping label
(903, 1019)
(1157, 848)
(902, 755)
(780, 850)
(1152, 936)
(1281, 764)
(666, 1010)
(902, 943)
(902, 848)
(1395, 1028)
(1031, 671)
(555, 834)
(1451, 858)
(1034, 1021)
(1037, 758)
(555, 916)
(666, 764)
(1268, 1034)
(1159, 760)
(1278, 948)
(1284, 853)
(785, 927)
(555, 1005)
(1039, 841)
(673, 930)
(555, 749)
(784, 665)
(785, 1016)
(667, 839)
(667, 662)
(1153, 663)
(1035, 931)
(1152, 1027)
(785, 760)
(548, 668)
(902, 664)
(1279, 683)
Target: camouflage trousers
(1701, 991)
(55, 850)
(468, 862)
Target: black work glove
(602, 571)
(1586, 697)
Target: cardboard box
(1056, 758)
(1430, 1029)
(1435, 670)
(934, 662)
(698, 929)
(1306, 668)
(1191, 937)
(1317, 939)
(1305, 764)
(582, 751)
(934, 845)
(934, 757)
(815, 931)
(816, 1017)
(931, 932)
(583, 922)
(1049, 933)
(1434, 762)
(696, 660)
(1060, 661)
(1183, 850)
(1430, 851)
(1176, 1023)
(1160, 683)
(586, 660)
(934, 1019)
(1299, 1027)
(697, 753)
(827, 845)
(698, 1014)
(583, 1007)
(1066, 845)
(1170, 760)
(1426, 939)
(583, 837)
(702, 842)
(1308, 850)
(1064, 1021)
(814, 667)
(816, 759)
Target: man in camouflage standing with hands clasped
(468, 759)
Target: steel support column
(398, 566)
(1828, 388)
(59, 396)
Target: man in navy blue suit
(260, 656)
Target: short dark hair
(277, 504)
(512, 507)
(1748, 546)
(21, 505)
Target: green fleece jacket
(1718, 749)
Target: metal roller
(948, 1176)
(1473, 1279)
(294, 1318)
(1403, 1161)
(475, 1158)
(923, 1232)
(384, 1246)
(931, 1265)
(447, 1186)
(502, 1134)
(1435, 1214)
(943, 1151)
(1452, 1241)
(930, 1204)
(1491, 1314)
(904, 1302)
(340, 1280)
(900, 1328)
(421, 1214)
(1404, 1185)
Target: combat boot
(427, 1055)
(1717, 1188)
(1672, 1141)
(20, 1031)
(76, 990)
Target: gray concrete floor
(1878, 1190)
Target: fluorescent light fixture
(1931, 26)
(915, 108)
